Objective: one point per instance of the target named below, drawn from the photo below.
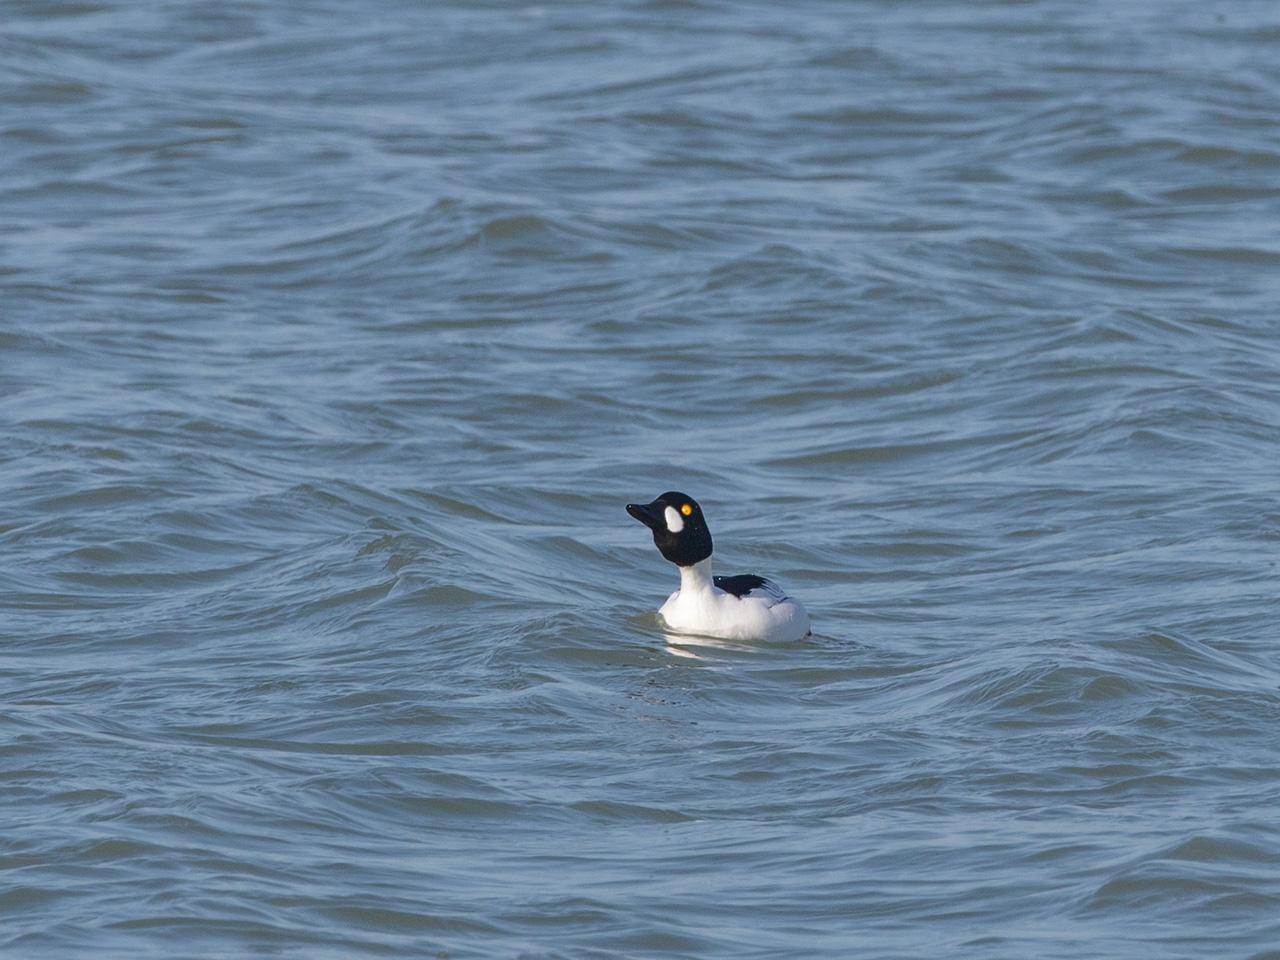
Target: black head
(679, 532)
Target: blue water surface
(335, 336)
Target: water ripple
(334, 340)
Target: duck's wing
(749, 585)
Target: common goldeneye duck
(745, 607)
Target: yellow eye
(687, 509)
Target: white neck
(696, 578)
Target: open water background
(335, 335)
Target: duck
(745, 607)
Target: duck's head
(679, 531)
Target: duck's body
(745, 607)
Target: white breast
(700, 608)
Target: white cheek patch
(675, 522)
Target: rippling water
(334, 336)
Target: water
(334, 337)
